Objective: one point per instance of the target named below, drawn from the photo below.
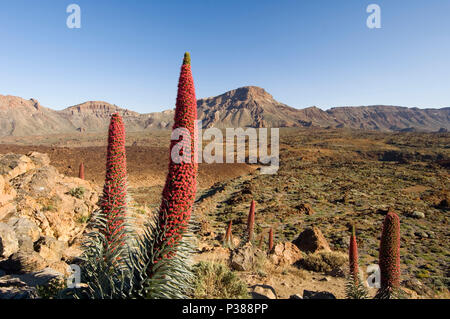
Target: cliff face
(249, 106)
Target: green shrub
(52, 289)
(217, 281)
(323, 261)
(77, 192)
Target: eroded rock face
(40, 201)
(311, 240)
(42, 213)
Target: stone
(263, 292)
(8, 241)
(24, 286)
(23, 262)
(13, 165)
(25, 227)
(305, 208)
(307, 294)
(7, 193)
(50, 248)
(25, 244)
(7, 210)
(285, 254)
(243, 258)
(311, 240)
(418, 215)
(296, 296)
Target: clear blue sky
(302, 52)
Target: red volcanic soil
(146, 166)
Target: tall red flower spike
(113, 202)
(389, 259)
(81, 171)
(251, 221)
(353, 256)
(179, 191)
(228, 233)
(270, 239)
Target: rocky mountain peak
(248, 93)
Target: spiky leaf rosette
(389, 257)
(144, 273)
(179, 190)
(81, 171)
(251, 221)
(355, 288)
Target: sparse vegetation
(52, 289)
(217, 281)
(77, 192)
(323, 261)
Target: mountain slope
(249, 106)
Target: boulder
(12, 165)
(311, 240)
(285, 254)
(8, 241)
(307, 294)
(24, 227)
(305, 208)
(418, 215)
(23, 262)
(263, 292)
(243, 258)
(24, 286)
(50, 249)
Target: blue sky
(302, 52)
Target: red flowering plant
(81, 171)
(227, 238)
(251, 221)
(270, 240)
(389, 258)
(180, 188)
(157, 263)
(107, 247)
(355, 288)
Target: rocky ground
(332, 180)
(327, 181)
(42, 217)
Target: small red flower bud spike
(251, 221)
(81, 171)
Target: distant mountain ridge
(248, 106)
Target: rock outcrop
(244, 258)
(42, 214)
(285, 254)
(311, 240)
